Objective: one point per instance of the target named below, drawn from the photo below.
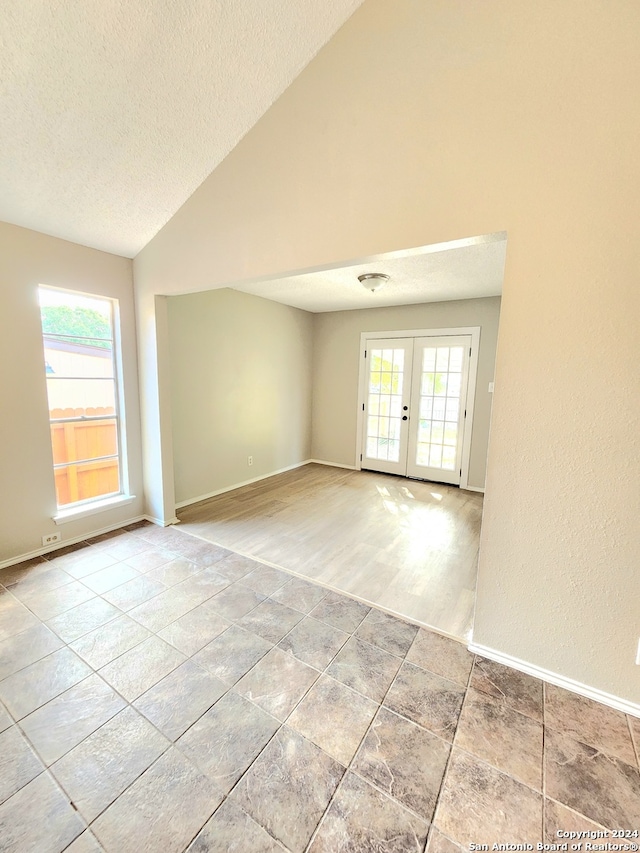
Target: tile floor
(158, 693)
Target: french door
(415, 406)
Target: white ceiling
(112, 112)
(462, 269)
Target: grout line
(450, 756)
(634, 744)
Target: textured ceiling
(112, 112)
(462, 269)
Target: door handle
(404, 408)
(405, 418)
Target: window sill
(73, 514)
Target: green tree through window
(76, 322)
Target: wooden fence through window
(89, 440)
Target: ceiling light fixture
(373, 280)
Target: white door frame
(474, 331)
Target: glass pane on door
(439, 406)
(384, 403)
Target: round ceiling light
(373, 280)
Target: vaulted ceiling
(112, 112)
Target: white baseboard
(559, 680)
(40, 552)
(240, 485)
(334, 464)
(472, 489)
(160, 522)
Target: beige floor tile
(180, 698)
(231, 830)
(510, 741)
(5, 718)
(199, 551)
(74, 623)
(145, 810)
(100, 768)
(38, 818)
(25, 570)
(361, 819)
(265, 579)
(340, 612)
(441, 656)
(109, 578)
(135, 671)
(280, 778)
(15, 618)
(26, 648)
(386, 632)
(18, 763)
(203, 585)
(82, 561)
(62, 723)
(37, 579)
(480, 805)
(235, 601)
(31, 687)
(270, 620)
(150, 559)
(601, 787)
(299, 594)
(174, 571)
(123, 546)
(101, 646)
(163, 609)
(429, 700)
(589, 722)
(235, 566)
(226, 740)
(559, 817)
(288, 787)
(439, 843)
(195, 629)
(521, 692)
(49, 603)
(85, 843)
(232, 654)
(334, 717)
(364, 668)
(277, 683)
(314, 642)
(134, 592)
(404, 761)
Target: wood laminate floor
(405, 546)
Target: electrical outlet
(249, 461)
(638, 654)
(50, 538)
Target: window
(78, 333)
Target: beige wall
(240, 386)
(27, 493)
(336, 363)
(425, 122)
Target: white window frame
(95, 505)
